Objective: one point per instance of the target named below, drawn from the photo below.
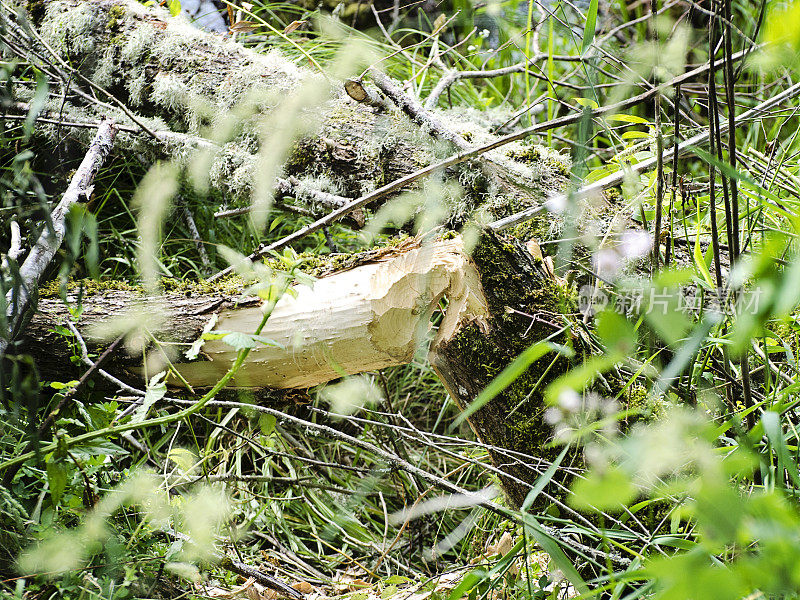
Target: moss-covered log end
(526, 306)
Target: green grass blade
(591, 22)
(549, 545)
(505, 378)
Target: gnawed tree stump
(525, 305)
(499, 301)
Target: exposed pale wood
(369, 317)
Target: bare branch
(415, 111)
(15, 248)
(31, 271)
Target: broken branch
(31, 271)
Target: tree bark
(226, 112)
(526, 304)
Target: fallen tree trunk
(227, 113)
(375, 315)
(369, 317)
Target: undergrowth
(682, 417)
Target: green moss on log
(227, 286)
(526, 306)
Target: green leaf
(98, 448)
(215, 335)
(588, 31)
(782, 32)
(549, 545)
(472, 579)
(788, 293)
(268, 342)
(57, 385)
(156, 390)
(700, 263)
(725, 167)
(579, 377)
(194, 351)
(37, 104)
(479, 576)
(185, 459)
(627, 119)
(174, 7)
(665, 314)
(610, 490)
(616, 333)
(267, 424)
(586, 102)
(600, 172)
(635, 135)
(397, 580)
(56, 478)
(240, 341)
(772, 427)
(543, 480)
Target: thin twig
(240, 568)
(94, 366)
(415, 111)
(396, 462)
(676, 138)
(730, 95)
(291, 186)
(659, 199)
(77, 74)
(188, 217)
(164, 136)
(121, 385)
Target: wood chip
(303, 587)
(293, 25)
(244, 27)
(534, 249)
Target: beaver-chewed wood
(499, 301)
